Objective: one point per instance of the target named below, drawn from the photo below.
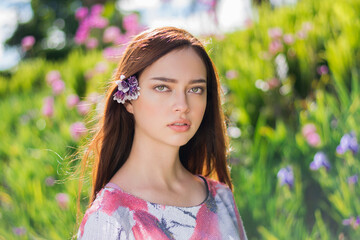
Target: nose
(181, 103)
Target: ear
(129, 107)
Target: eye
(197, 90)
(161, 88)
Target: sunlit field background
(291, 83)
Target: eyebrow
(171, 80)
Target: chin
(180, 142)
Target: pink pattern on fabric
(208, 227)
(129, 216)
(147, 227)
(119, 198)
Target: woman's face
(172, 98)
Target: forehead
(180, 64)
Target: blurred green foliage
(290, 67)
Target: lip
(180, 128)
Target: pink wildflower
(82, 32)
(101, 67)
(97, 9)
(27, 43)
(275, 33)
(288, 39)
(111, 34)
(62, 200)
(91, 43)
(94, 97)
(83, 107)
(72, 100)
(98, 22)
(77, 130)
(48, 107)
(81, 13)
(113, 53)
(231, 74)
(301, 34)
(52, 76)
(273, 83)
(275, 47)
(130, 23)
(122, 39)
(307, 26)
(58, 87)
(89, 74)
(308, 129)
(313, 139)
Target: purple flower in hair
(119, 96)
(128, 89)
(320, 160)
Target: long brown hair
(204, 154)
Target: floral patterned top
(115, 214)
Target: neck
(154, 162)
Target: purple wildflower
(353, 179)
(50, 181)
(323, 69)
(348, 142)
(286, 176)
(320, 160)
(348, 221)
(352, 221)
(19, 231)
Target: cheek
(146, 109)
(198, 108)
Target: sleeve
(100, 225)
(239, 220)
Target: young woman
(160, 168)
